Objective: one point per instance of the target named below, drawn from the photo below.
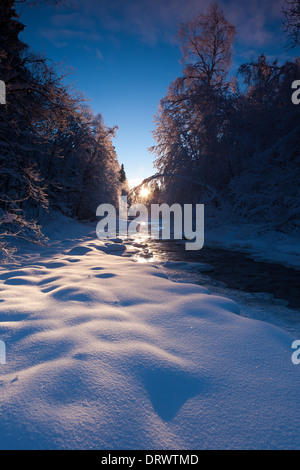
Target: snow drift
(106, 353)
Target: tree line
(54, 152)
(231, 142)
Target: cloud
(255, 20)
(99, 54)
(151, 21)
(157, 21)
(63, 37)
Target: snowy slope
(103, 352)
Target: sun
(144, 192)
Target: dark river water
(265, 291)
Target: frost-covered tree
(53, 152)
(122, 174)
(206, 44)
(20, 180)
(266, 151)
(193, 115)
(230, 143)
(292, 21)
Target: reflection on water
(264, 291)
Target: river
(264, 291)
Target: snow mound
(106, 353)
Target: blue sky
(123, 55)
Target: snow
(259, 243)
(256, 305)
(104, 352)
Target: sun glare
(144, 192)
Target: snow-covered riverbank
(259, 243)
(104, 352)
